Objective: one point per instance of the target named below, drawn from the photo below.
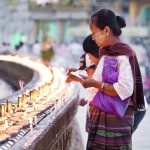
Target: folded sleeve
(124, 86)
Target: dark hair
(82, 62)
(89, 46)
(108, 18)
(93, 67)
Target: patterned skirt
(109, 132)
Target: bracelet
(102, 86)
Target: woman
(108, 131)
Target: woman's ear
(107, 31)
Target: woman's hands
(71, 70)
(71, 77)
(87, 81)
(84, 80)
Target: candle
(19, 101)
(2, 110)
(32, 95)
(9, 107)
(24, 98)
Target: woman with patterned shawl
(107, 130)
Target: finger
(73, 78)
(67, 71)
(69, 75)
(68, 80)
(71, 70)
(84, 77)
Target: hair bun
(121, 22)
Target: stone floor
(141, 137)
(76, 139)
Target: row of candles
(45, 76)
(52, 91)
(49, 90)
(23, 99)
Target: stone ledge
(49, 132)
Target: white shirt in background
(88, 61)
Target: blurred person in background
(36, 50)
(91, 55)
(47, 52)
(5, 48)
(88, 97)
(22, 49)
(91, 58)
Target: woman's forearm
(106, 88)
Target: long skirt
(108, 131)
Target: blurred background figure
(36, 50)
(22, 49)
(47, 50)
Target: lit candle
(32, 95)
(2, 110)
(9, 107)
(25, 98)
(19, 101)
